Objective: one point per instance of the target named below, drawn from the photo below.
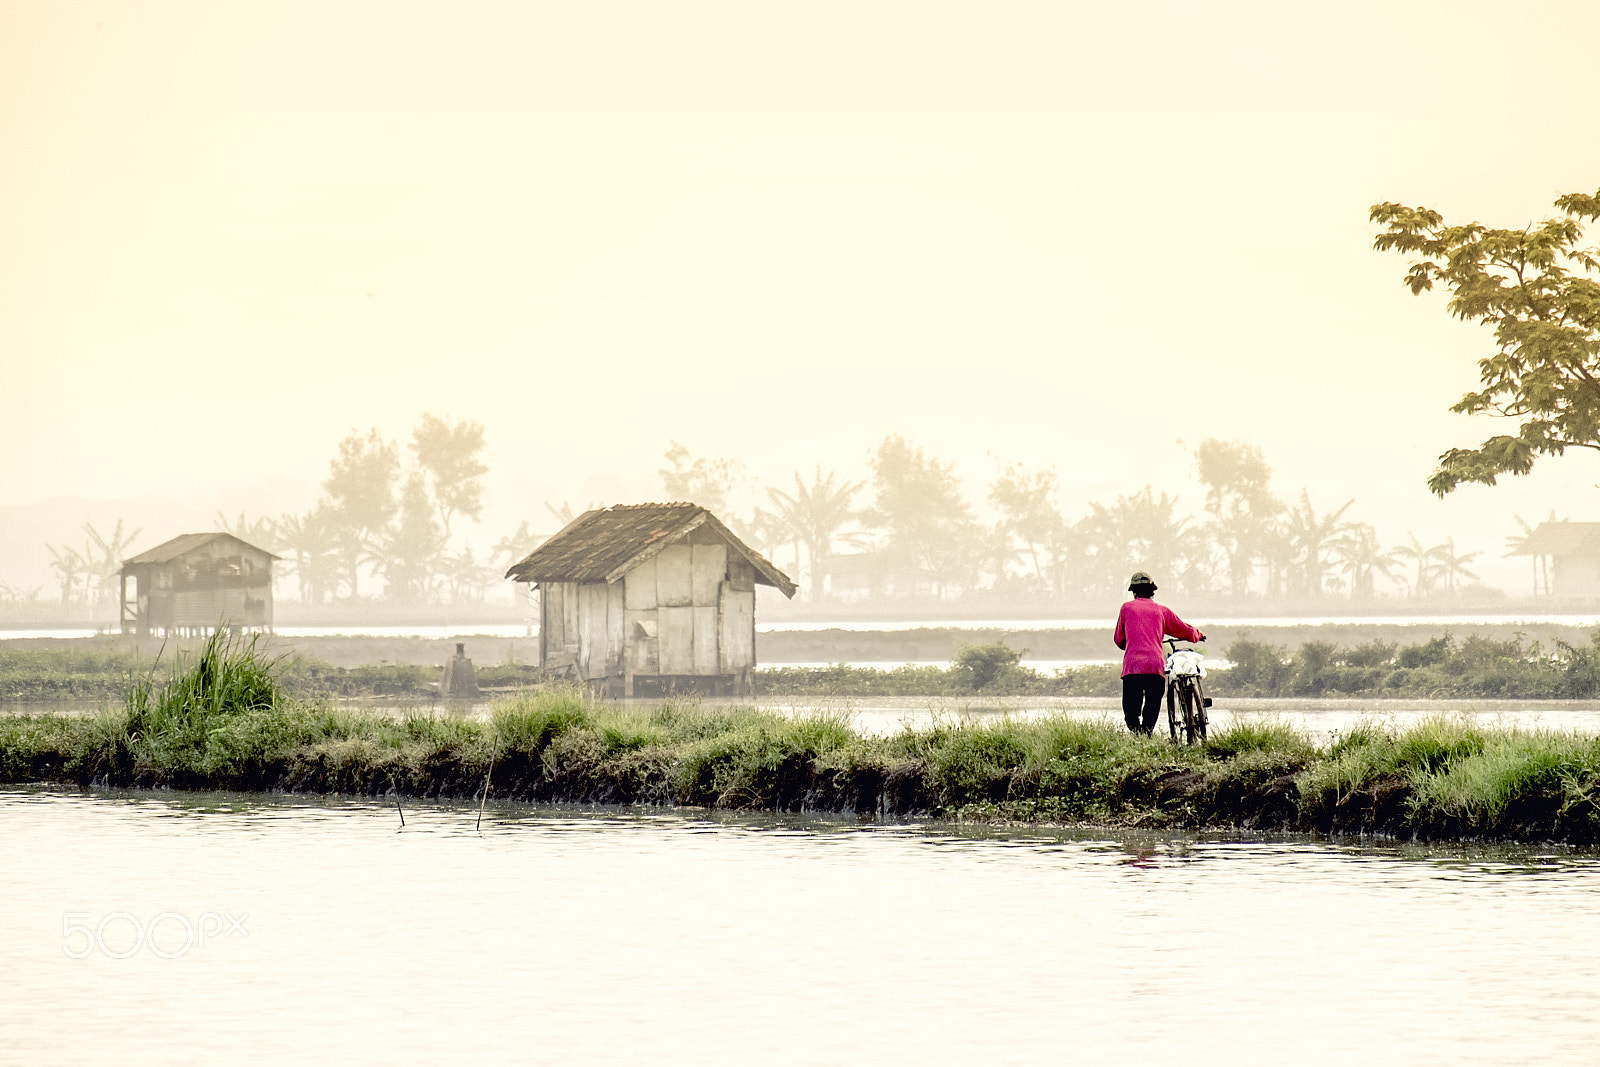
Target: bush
(1257, 667)
(1430, 654)
(980, 666)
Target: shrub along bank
(225, 722)
(1477, 667)
(104, 670)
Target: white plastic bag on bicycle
(1187, 663)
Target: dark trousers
(1141, 700)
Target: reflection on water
(576, 935)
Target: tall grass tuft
(528, 724)
(1259, 735)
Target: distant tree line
(388, 524)
(919, 535)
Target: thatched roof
(605, 544)
(1561, 539)
(183, 544)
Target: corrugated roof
(168, 551)
(1561, 539)
(604, 544)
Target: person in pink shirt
(1141, 624)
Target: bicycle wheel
(1201, 715)
(1193, 725)
(1172, 710)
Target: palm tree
(1451, 565)
(103, 555)
(1309, 541)
(310, 539)
(1424, 558)
(1360, 560)
(813, 516)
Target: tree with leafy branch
(361, 497)
(448, 457)
(1242, 507)
(930, 531)
(408, 555)
(1534, 287)
(707, 482)
(1026, 501)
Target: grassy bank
(225, 722)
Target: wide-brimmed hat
(1141, 578)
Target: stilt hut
(647, 599)
(1566, 555)
(197, 583)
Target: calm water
(563, 935)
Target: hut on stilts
(197, 583)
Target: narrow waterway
(329, 934)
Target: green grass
(223, 720)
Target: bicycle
(1186, 700)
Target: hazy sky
(1055, 233)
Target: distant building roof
(604, 544)
(183, 544)
(1561, 539)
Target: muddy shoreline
(1174, 797)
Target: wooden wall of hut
(688, 612)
